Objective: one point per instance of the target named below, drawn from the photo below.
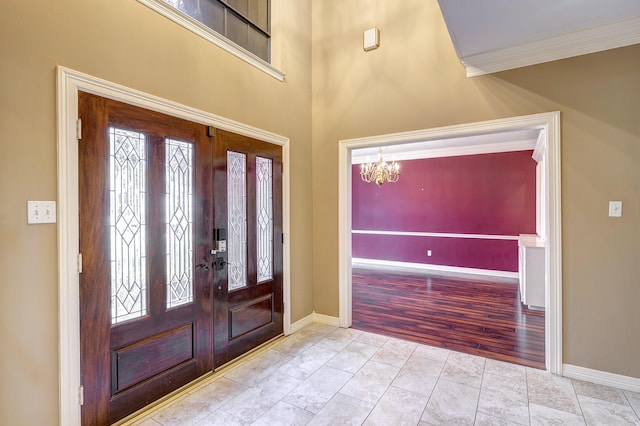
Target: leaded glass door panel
(248, 304)
(145, 186)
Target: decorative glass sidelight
(264, 218)
(127, 227)
(179, 227)
(237, 219)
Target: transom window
(244, 22)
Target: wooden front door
(248, 305)
(146, 220)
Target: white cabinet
(531, 255)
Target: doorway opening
(548, 128)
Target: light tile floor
(324, 375)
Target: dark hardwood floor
(475, 316)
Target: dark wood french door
(162, 300)
(248, 304)
(145, 186)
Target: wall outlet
(41, 212)
(615, 208)
(428, 252)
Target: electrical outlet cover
(615, 208)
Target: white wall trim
(455, 151)
(326, 319)
(549, 123)
(552, 233)
(436, 234)
(301, 323)
(601, 377)
(208, 34)
(312, 318)
(344, 234)
(590, 40)
(432, 267)
(69, 83)
(538, 150)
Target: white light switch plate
(615, 208)
(41, 212)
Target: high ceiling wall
(125, 42)
(415, 81)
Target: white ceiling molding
(417, 146)
(596, 39)
(426, 152)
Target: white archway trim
(549, 126)
(69, 83)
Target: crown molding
(591, 40)
(489, 148)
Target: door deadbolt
(219, 263)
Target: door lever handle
(204, 266)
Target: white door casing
(548, 148)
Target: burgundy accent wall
(491, 194)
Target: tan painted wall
(125, 42)
(415, 81)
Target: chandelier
(380, 172)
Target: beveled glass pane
(237, 30)
(190, 7)
(127, 225)
(179, 187)
(258, 44)
(213, 15)
(241, 6)
(259, 13)
(235, 20)
(264, 218)
(237, 219)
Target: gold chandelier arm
(380, 172)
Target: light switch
(615, 208)
(41, 212)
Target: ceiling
(497, 35)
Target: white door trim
(69, 83)
(549, 126)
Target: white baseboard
(326, 319)
(301, 323)
(314, 317)
(439, 268)
(601, 377)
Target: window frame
(198, 28)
